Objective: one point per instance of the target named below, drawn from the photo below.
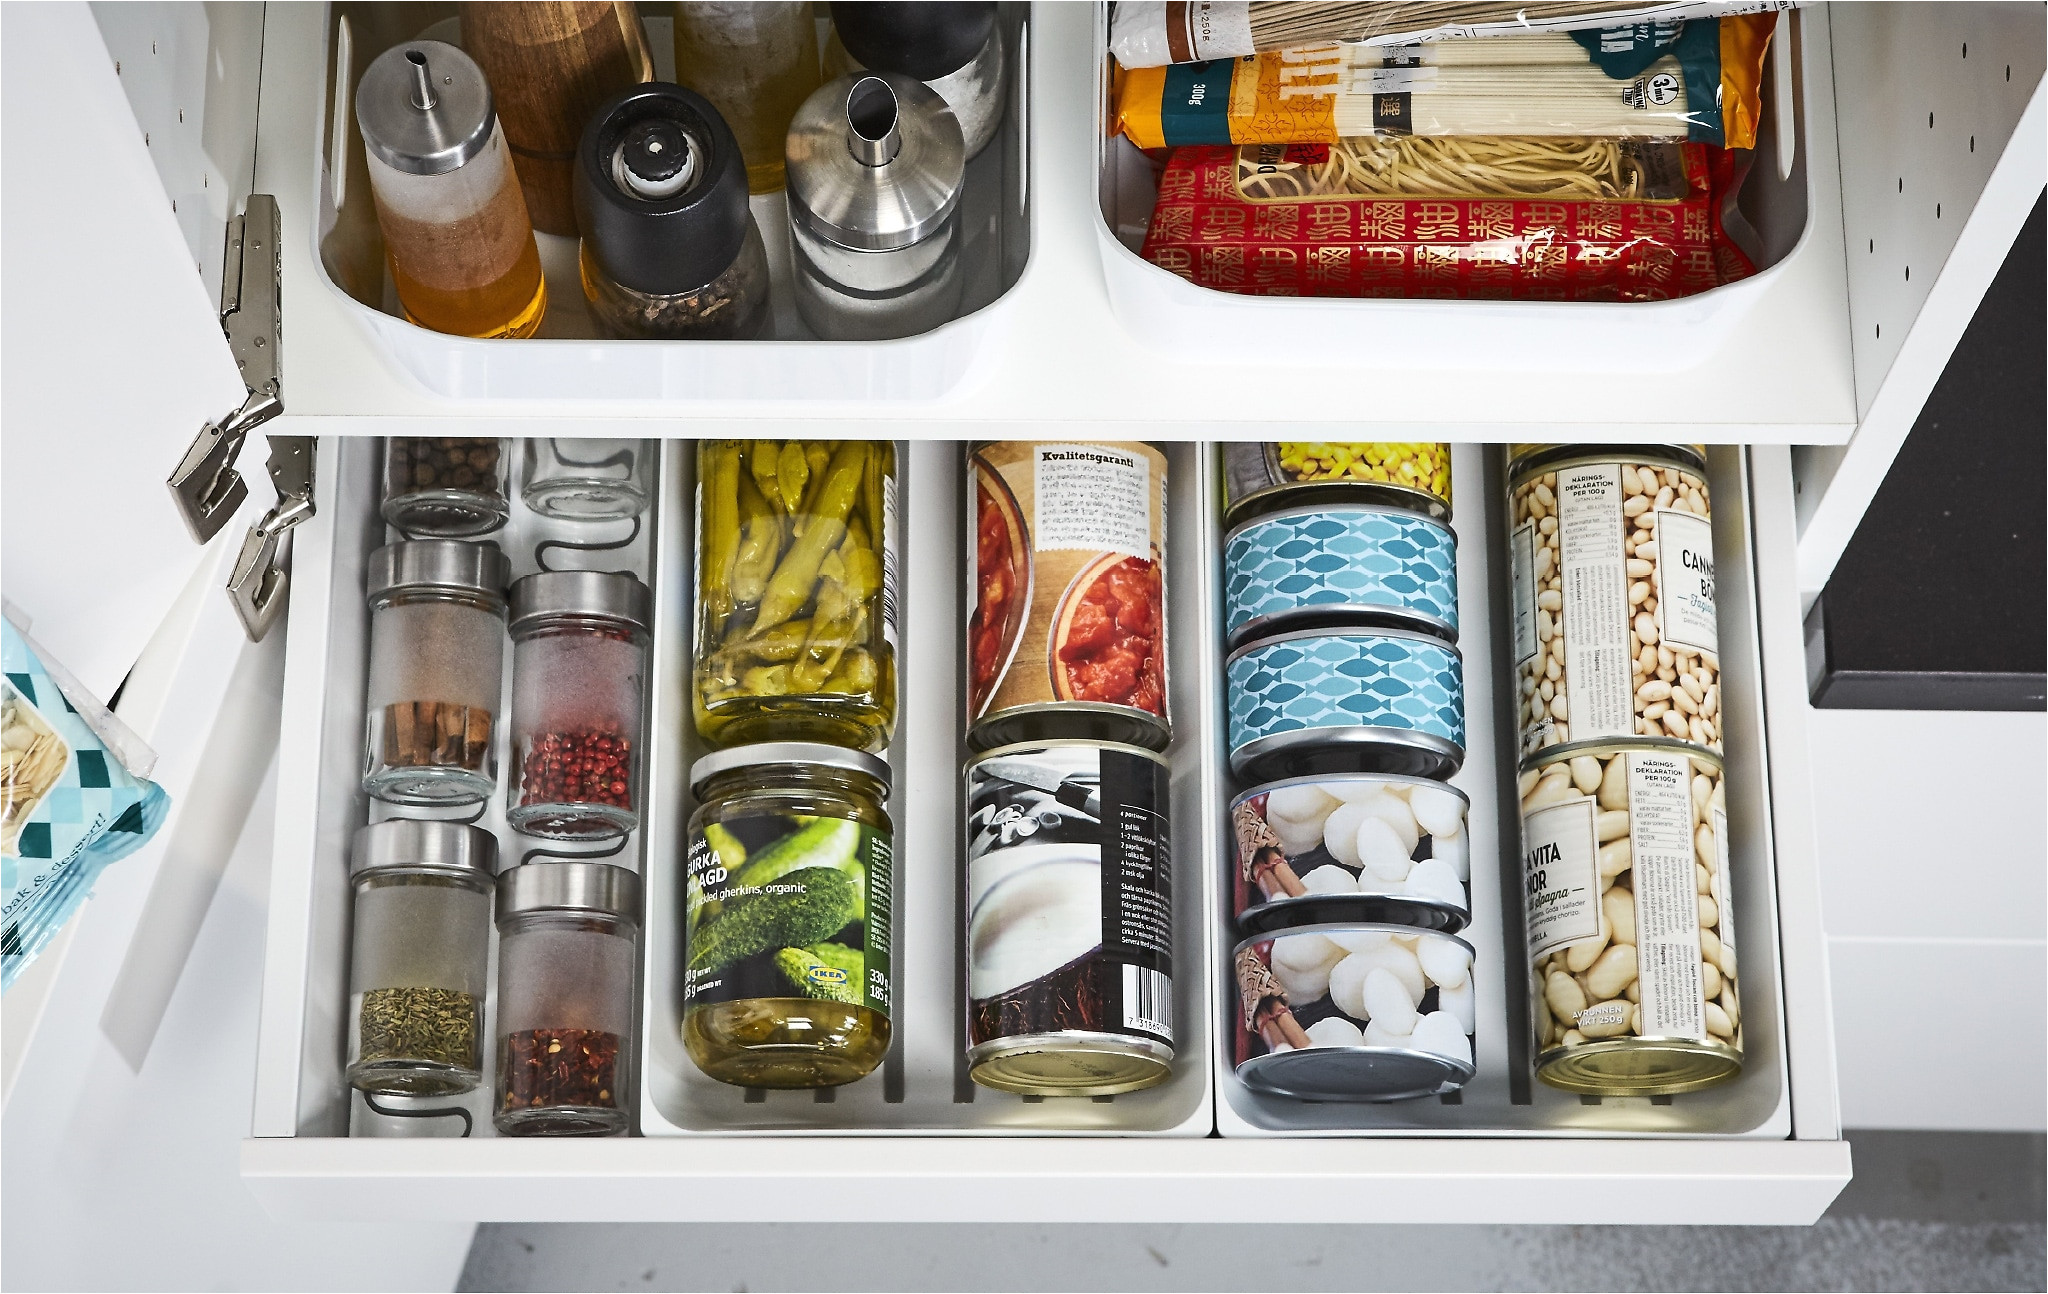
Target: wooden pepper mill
(550, 66)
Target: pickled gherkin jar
(796, 592)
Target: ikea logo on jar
(826, 976)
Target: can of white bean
(1614, 633)
(1630, 918)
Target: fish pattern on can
(1406, 564)
(1345, 681)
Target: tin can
(1339, 563)
(1522, 458)
(1069, 919)
(1346, 701)
(1259, 476)
(1612, 559)
(1067, 637)
(1356, 847)
(1354, 1012)
(1631, 924)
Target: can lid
(424, 108)
(927, 39)
(1347, 507)
(763, 753)
(602, 595)
(874, 163)
(661, 190)
(415, 845)
(451, 564)
(566, 886)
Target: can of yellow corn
(1260, 476)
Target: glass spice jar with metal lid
(787, 907)
(456, 233)
(420, 956)
(670, 247)
(445, 487)
(579, 684)
(437, 655)
(876, 165)
(566, 935)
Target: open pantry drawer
(918, 1142)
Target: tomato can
(1350, 847)
(1346, 701)
(1631, 920)
(1611, 554)
(1349, 1011)
(1260, 476)
(1068, 891)
(1067, 633)
(1339, 563)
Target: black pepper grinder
(953, 46)
(670, 249)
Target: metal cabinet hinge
(206, 486)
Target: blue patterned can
(1346, 701)
(1344, 564)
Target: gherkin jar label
(779, 907)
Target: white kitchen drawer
(1767, 1149)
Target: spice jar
(875, 171)
(953, 46)
(437, 654)
(587, 480)
(419, 956)
(565, 998)
(444, 487)
(670, 248)
(579, 675)
(756, 62)
(787, 905)
(456, 233)
(796, 592)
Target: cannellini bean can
(1354, 1012)
(1631, 920)
(1350, 847)
(1614, 632)
(1259, 476)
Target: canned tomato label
(1332, 563)
(1364, 847)
(1068, 633)
(1625, 865)
(1335, 700)
(1615, 634)
(1258, 475)
(1354, 1012)
(1069, 897)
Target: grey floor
(1927, 1211)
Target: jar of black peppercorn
(565, 998)
(419, 958)
(579, 674)
(437, 658)
(444, 487)
(670, 248)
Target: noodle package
(1493, 218)
(1668, 79)
(68, 805)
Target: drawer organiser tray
(567, 360)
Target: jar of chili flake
(566, 959)
(579, 680)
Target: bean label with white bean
(1614, 618)
(1625, 863)
(1363, 847)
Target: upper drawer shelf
(1077, 330)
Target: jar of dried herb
(566, 961)
(437, 655)
(579, 679)
(420, 956)
(445, 487)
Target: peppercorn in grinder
(670, 249)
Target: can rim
(1248, 760)
(1359, 506)
(1325, 927)
(1456, 1072)
(1155, 1056)
(1276, 910)
(1348, 615)
(1599, 746)
(1413, 635)
(1308, 779)
(1016, 748)
(1551, 1070)
(814, 753)
(1546, 458)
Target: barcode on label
(1148, 1001)
(888, 541)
